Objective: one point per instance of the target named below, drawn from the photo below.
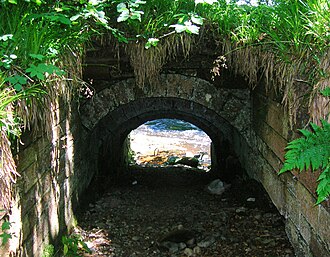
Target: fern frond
(323, 188)
(311, 150)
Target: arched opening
(112, 131)
(169, 142)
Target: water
(170, 137)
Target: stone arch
(121, 107)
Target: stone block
(323, 228)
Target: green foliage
(49, 251)
(73, 246)
(312, 151)
(4, 235)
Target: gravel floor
(168, 212)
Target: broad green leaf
(5, 238)
(192, 29)
(5, 225)
(37, 56)
(179, 28)
(6, 37)
(151, 42)
(65, 249)
(123, 16)
(326, 91)
(205, 1)
(122, 7)
(64, 20)
(197, 19)
(136, 15)
(18, 87)
(75, 17)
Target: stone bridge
(119, 108)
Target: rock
(241, 210)
(191, 242)
(257, 216)
(217, 187)
(178, 236)
(182, 246)
(188, 252)
(251, 199)
(171, 160)
(197, 250)
(189, 161)
(206, 242)
(169, 247)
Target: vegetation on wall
(42, 44)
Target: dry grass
(8, 173)
(287, 78)
(148, 63)
(318, 104)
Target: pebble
(197, 250)
(206, 242)
(188, 252)
(241, 210)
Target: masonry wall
(307, 226)
(53, 176)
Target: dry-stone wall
(53, 176)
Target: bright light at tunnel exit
(165, 141)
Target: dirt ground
(167, 212)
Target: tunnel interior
(155, 213)
(112, 132)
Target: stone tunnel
(221, 113)
(88, 140)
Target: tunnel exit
(164, 142)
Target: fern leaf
(311, 150)
(323, 188)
